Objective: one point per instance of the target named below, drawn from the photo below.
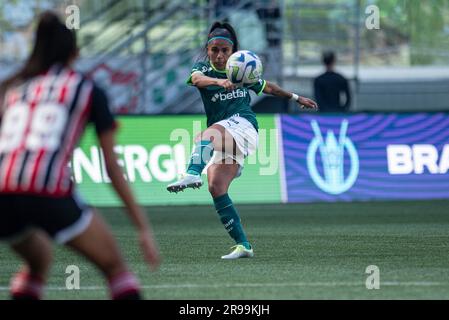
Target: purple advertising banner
(366, 157)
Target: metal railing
(132, 34)
(176, 39)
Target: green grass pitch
(302, 251)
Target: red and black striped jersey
(42, 121)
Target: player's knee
(216, 189)
(214, 135)
(216, 144)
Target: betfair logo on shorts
(235, 94)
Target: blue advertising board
(365, 156)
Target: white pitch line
(259, 285)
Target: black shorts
(61, 218)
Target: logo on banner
(332, 151)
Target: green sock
(231, 220)
(201, 155)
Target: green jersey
(221, 104)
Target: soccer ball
(244, 68)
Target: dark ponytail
(223, 28)
(54, 44)
(220, 29)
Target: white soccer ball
(244, 68)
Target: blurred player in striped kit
(44, 109)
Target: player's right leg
(30, 245)
(97, 244)
(36, 250)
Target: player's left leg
(29, 282)
(98, 245)
(220, 177)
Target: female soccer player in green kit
(232, 131)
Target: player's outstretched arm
(201, 81)
(137, 215)
(303, 102)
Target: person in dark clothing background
(329, 87)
